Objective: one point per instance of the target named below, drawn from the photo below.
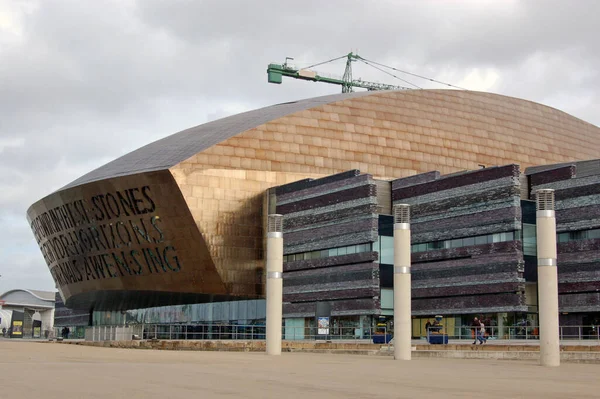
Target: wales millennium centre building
(174, 231)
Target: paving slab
(52, 370)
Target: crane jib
(276, 72)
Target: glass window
(436, 245)
(578, 235)
(467, 242)
(351, 249)
(342, 251)
(507, 236)
(324, 253)
(377, 245)
(386, 255)
(387, 298)
(563, 237)
(333, 252)
(363, 248)
(315, 254)
(456, 243)
(480, 240)
(530, 239)
(595, 233)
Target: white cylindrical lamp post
(402, 283)
(547, 279)
(274, 283)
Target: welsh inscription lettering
(114, 234)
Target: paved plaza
(53, 370)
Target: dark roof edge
(171, 150)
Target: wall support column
(402, 283)
(501, 330)
(547, 279)
(274, 283)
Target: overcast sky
(83, 82)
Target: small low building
(27, 313)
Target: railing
(257, 332)
(521, 332)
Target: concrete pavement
(51, 370)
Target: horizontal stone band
(402, 270)
(545, 214)
(546, 262)
(401, 226)
(274, 275)
(274, 234)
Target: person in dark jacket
(475, 326)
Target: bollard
(274, 283)
(547, 279)
(402, 283)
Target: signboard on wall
(17, 328)
(16, 324)
(323, 325)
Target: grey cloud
(89, 81)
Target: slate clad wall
(472, 279)
(577, 195)
(336, 211)
(333, 214)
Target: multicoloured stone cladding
(469, 279)
(335, 211)
(577, 196)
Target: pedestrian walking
(481, 334)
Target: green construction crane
(277, 71)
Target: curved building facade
(181, 219)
